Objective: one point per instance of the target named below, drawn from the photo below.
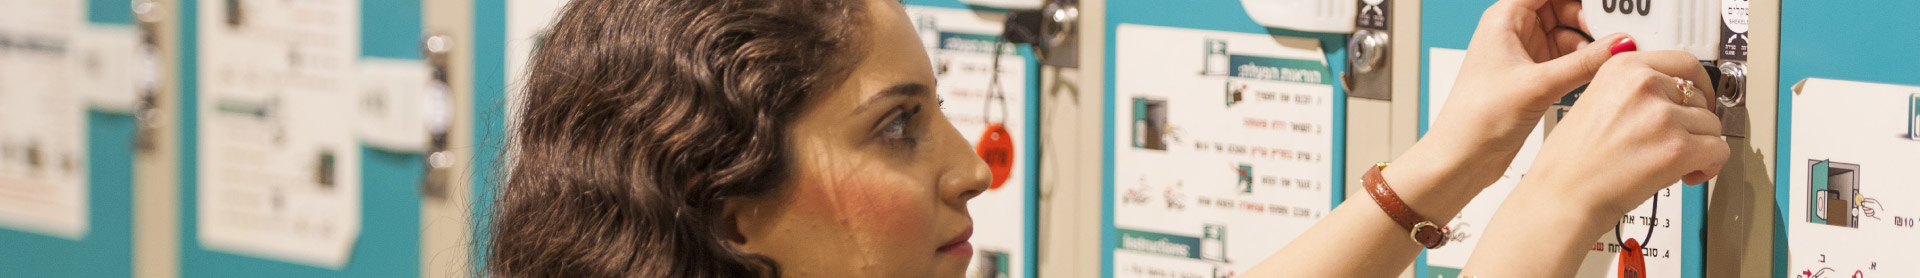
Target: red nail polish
(1624, 45)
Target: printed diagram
(1245, 182)
(1835, 192)
(1852, 170)
(1913, 117)
(1150, 130)
(1213, 243)
(992, 264)
(1236, 94)
(1216, 60)
(1828, 272)
(1457, 230)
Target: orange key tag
(1633, 261)
(996, 148)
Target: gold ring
(1686, 90)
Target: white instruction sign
(43, 175)
(278, 164)
(1223, 148)
(1851, 171)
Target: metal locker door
(388, 241)
(102, 246)
(1847, 147)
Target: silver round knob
(1366, 50)
(1732, 90)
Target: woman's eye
(896, 128)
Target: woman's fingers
(1695, 121)
(1569, 13)
(1673, 63)
(1705, 155)
(1574, 69)
(1569, 40)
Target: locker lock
(1365, 50)
(1051, 30)
(1367, 58)
(1732, 88)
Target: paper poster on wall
(393, 104)
(1851, 195)
(1663, 254)
(1223, 148)
(43, 175)
(976, 97)
(103, 59)
(278, 163)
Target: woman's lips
(959, 245)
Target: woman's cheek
(883, 211)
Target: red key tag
(1633, 261)
(996, 147)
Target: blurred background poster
(43, 180)
(278, 159)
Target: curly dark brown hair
(641, 116)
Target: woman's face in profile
(880, 180)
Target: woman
(734, 138)
(800, 138)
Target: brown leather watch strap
(1423, 232)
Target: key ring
(1649, 238)
(994, 91)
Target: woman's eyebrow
(897, 90)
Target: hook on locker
(1052, 30)
(147, 75)
(439, 103)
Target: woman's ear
(749, 219)
(730, 224)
